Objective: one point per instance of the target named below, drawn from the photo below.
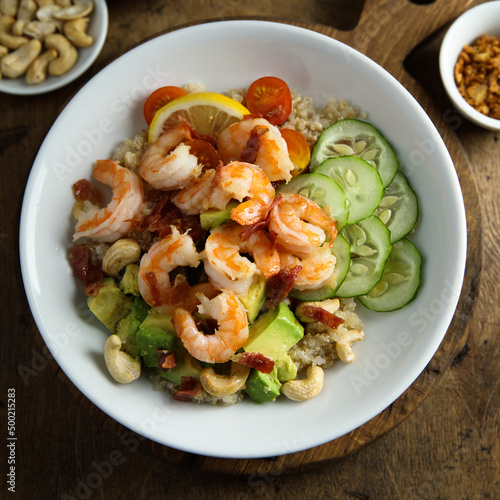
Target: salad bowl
(224, 55)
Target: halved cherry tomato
(270, 97)
(158, 99)
(298, 150)
(207, 155)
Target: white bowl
(482, 19)
(224, 55)
(98, 29)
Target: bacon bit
(83, 269)
(255, 360)
(154, 286)
(166, 214)
(280, 285)
(322, 315)
(249, 153)
(83, 190)
(190, 387)
(166, 359)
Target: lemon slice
(208, 112)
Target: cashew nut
(76, 31)
(344, 346)
(330, 305)
(16, 63)
(119, 254)
(224, 385)
(6, 38)
(39, 29)
(8, 7)
(3, 50)
(67, 54)
(37, 70)
(122, 367)
(25, 13)
(80, 8)
(47, 12)
(307, 388)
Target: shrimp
(114, 221)
(318, 268)
(271, 149)
(165, 255)
(201, 194)
(227, 268)
(243, 180)
(231, 333)
(167, 164)
(300, 224)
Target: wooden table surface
(447, 448)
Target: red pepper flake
(190, 388)
(322, 315)
(255, 360)
(166, 359)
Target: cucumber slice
(342, 251)
(324, 191)
(398, 209)
(356, 137)
(370, 248)
(360, 182)
(400, 281)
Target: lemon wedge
(208, 112)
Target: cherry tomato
(207, 155)
(298, 149)
(270, 97)
(158, 99)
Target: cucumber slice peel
(342, 251)
(360, 182)
(400, 280)
(360, 138)
(398, 209)
(370, 248)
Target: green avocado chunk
(110, 305)
(128, 326)
(156, 332)
(274, 332)
(213, 217)
(285, 368)
(187, 366)
(255, 298)
(128, 283)
(263, 387)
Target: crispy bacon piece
(190, 387)
(249, 153)
(91, 274)
(166, 214)
(166, 359)
(255, 360)
(322, 315)
(280, 286)
(83, 190)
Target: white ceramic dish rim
(245, 444)
(482, 19)
(98, 28)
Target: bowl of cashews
(45, 45)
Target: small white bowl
(98, 29)
(483, 19)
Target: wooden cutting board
(381, 36)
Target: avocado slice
(255, 298)
(156, 332)
(110, 305)
(128, 326)
(187, 366)
(263, 387)
(128, 283)
(274, 332)
(285, 368)
(213, 217)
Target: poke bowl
(396, 345)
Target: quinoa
(129, 152)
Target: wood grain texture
(444, 436)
